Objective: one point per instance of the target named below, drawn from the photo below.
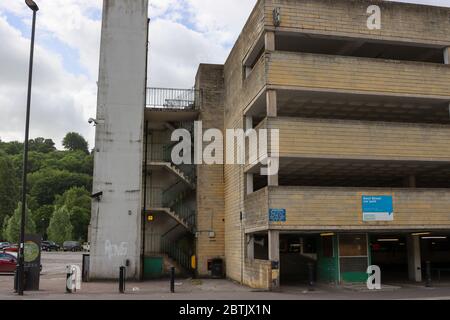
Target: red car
(11, 248)
(8, 262)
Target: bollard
(310, 276)
(69, 272)
(122, 276)
(172, 280)
(428, 274)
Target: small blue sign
(277, 215)
(378, 208)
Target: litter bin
(25, 279)
(217, 271)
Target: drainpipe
(145, 157)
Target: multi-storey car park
(364, 148)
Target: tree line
(58, 190)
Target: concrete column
(447, 55)
(248, 122)
(249, 177)
(274, 256)
(269, 39)
(410, 181)
(272, 108)
(250, 247)
(414, 259)
(272, 181)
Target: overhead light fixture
(388, 240)
(32, 5)
(330, 234)
(431, 238)
(421, 234)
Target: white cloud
(61, 102)
(183, 33)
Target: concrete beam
(269, 41)
(414, 259)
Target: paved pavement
(53, 287)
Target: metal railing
(186, 213)
(167, 98)
(174, 252)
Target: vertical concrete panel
(116, 217)
(414, 259)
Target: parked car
(86, 246)
(4, 245)
(11, 248)
(8, 262)
(72, 246)
(49, 246)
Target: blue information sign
(378, 208)
(277, 215)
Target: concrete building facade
(360, 93)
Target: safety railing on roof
(168, 98)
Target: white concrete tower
(116, 212)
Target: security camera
(92, 121)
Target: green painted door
(153, 267)
(327, 260)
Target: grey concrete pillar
(410, 181)
(274, 257)
(249, 177)
(250, 247)
(272, 180)
(414, 259)
(269, 39)
(447, 55)
(272, 108)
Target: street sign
(277, 215)
(377, 208)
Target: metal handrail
(173, 251)
(170, 98)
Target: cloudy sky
(183, 33)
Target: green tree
(9, 190)
(12, 230)
(3, 229)
(42, 145)
(74, 141)
(60, 228)
(45, 184)
(41, 217)
(78, 203)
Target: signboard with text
(277, 215)
(377, 208)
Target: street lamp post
(20, 268)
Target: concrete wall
(339, 73)
(238, 94)
(400, 22)
(210, 242)
(318, 138)
(314, 208)
(116, 218)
